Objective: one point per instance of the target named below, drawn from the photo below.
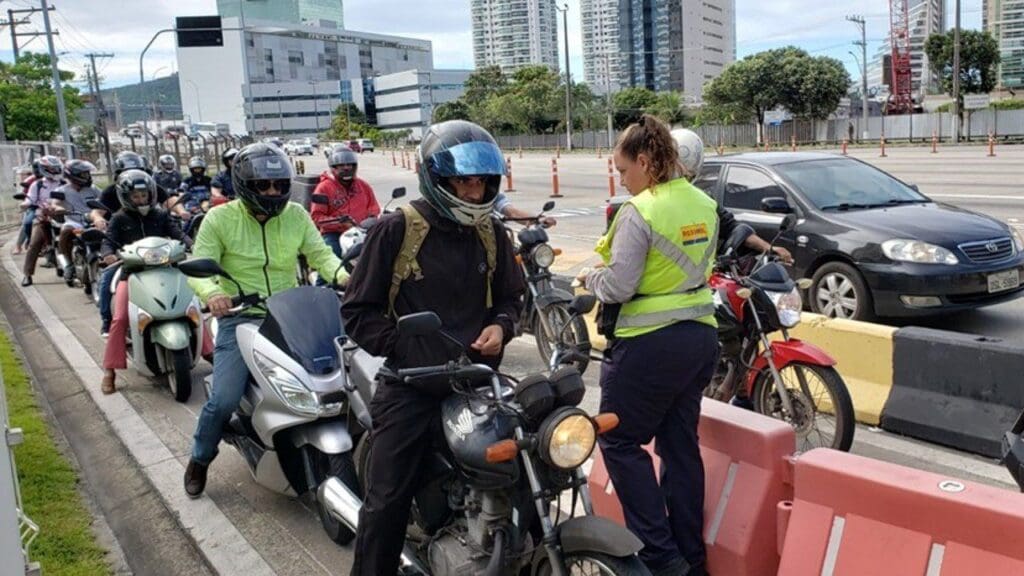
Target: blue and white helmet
(453, 149)
(691, 151)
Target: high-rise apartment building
(1005, 20)
(926, 17)
(515, 33)
(314, 12)
(602, 67)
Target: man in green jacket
(256, 239)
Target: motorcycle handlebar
(239, 303)
(451, 370)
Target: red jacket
(356, 201)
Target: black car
(873, 245)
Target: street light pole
(568, 78)
(859, 21)
(57, 89)
(199, 104)
(316, 108)
(280, 115)
(956, 74)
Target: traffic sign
(975, 101)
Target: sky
(123, 29)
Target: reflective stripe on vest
(666, 316)
(694, 270)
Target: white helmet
(691, 151)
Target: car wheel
(839, 291)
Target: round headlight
(568, 439)
(788, 305)
(544, 255)
(156, 256)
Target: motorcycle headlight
(155, 256)
(919, 252)
(543, 255)
(288, 387)
(1017, 240)
(567, 438)
(788, 305)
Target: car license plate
(1002, 281)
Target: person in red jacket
(346, 196)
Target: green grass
(65, 545)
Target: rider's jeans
(106, 279)
(333, 239)
(230, 376)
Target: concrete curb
(217, 539)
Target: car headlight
(1017, 240)
(916, 251)
(788, 305)
(155, 256)
(568, 438)
(544, 255)
(288, 387)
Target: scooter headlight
(288, 387)
(544, 255)
(788, 305)
(567, 438)
(155, 256)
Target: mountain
(161, 91)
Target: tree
(455, 110)
(630, 104)
(483, 84)
(348, 118)
(29, 102)
(815, 87)
(668, 106)
(979, 57)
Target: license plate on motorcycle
(1002, 281)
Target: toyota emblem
(992, 247)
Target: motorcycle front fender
(327, 436)
(597, 534)
(171, 335)
(786, 352)
(552, 296)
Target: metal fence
(1003, 124)
(17, 531)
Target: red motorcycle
(783, 378)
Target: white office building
(709, 42)
(286, 79)
(406, 100)
(515, 33)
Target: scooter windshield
(303, 322)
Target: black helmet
(128, 160)
(196, 166)
(345, 157)
(131, 181)
(228, 156)
(459, 148)
(168, 163)
(51, 167)
(255, 168)
(79, 172)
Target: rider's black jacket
(453, 285)
(127, 227)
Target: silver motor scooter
(292, 425)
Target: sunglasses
(470, 179)
(281, 184)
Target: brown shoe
(108, 387)
(195, 479)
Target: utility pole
(57, 89)
(568, 78)
(859, 21)
(956, 74)
(14, 27)
(101, 115)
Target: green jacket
(262, 258)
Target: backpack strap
(416, 229)
(485, 230)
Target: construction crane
(901, 99)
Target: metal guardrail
(17, 530)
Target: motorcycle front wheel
(94, 281)
(558, 316)
(823, 412)
(179, 378)
(596, 563)
(341, 467)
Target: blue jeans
(333, 239)
(26, 227)
(230, 376)
(106, 278)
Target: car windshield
(841, 184)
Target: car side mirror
(582, 304)
(549, 205)
(419, 324)
(55, 195)
(776, 205)
(788, 223)
(201, 268)
(319, 199)
(398, 192)
(915, 187)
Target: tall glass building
(291, 11)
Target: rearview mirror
(582, 304)
(398, 192)
(915, 188)
(419, 324)
(201, 268)
(96, 205)
(55, 195)
(352, 253)
(319, 199)
(788, 223)
(368, 223)
(20, 196)
(549, 205)
(738, 237)
(776, 205)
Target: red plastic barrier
(746, 471)
(854, 515)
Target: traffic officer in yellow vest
(658, 314)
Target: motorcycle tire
(343, 468)
(766, 401)
(558, 314)
(94, 281)
(603, 564)
(179, 378)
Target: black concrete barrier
(954, 389)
